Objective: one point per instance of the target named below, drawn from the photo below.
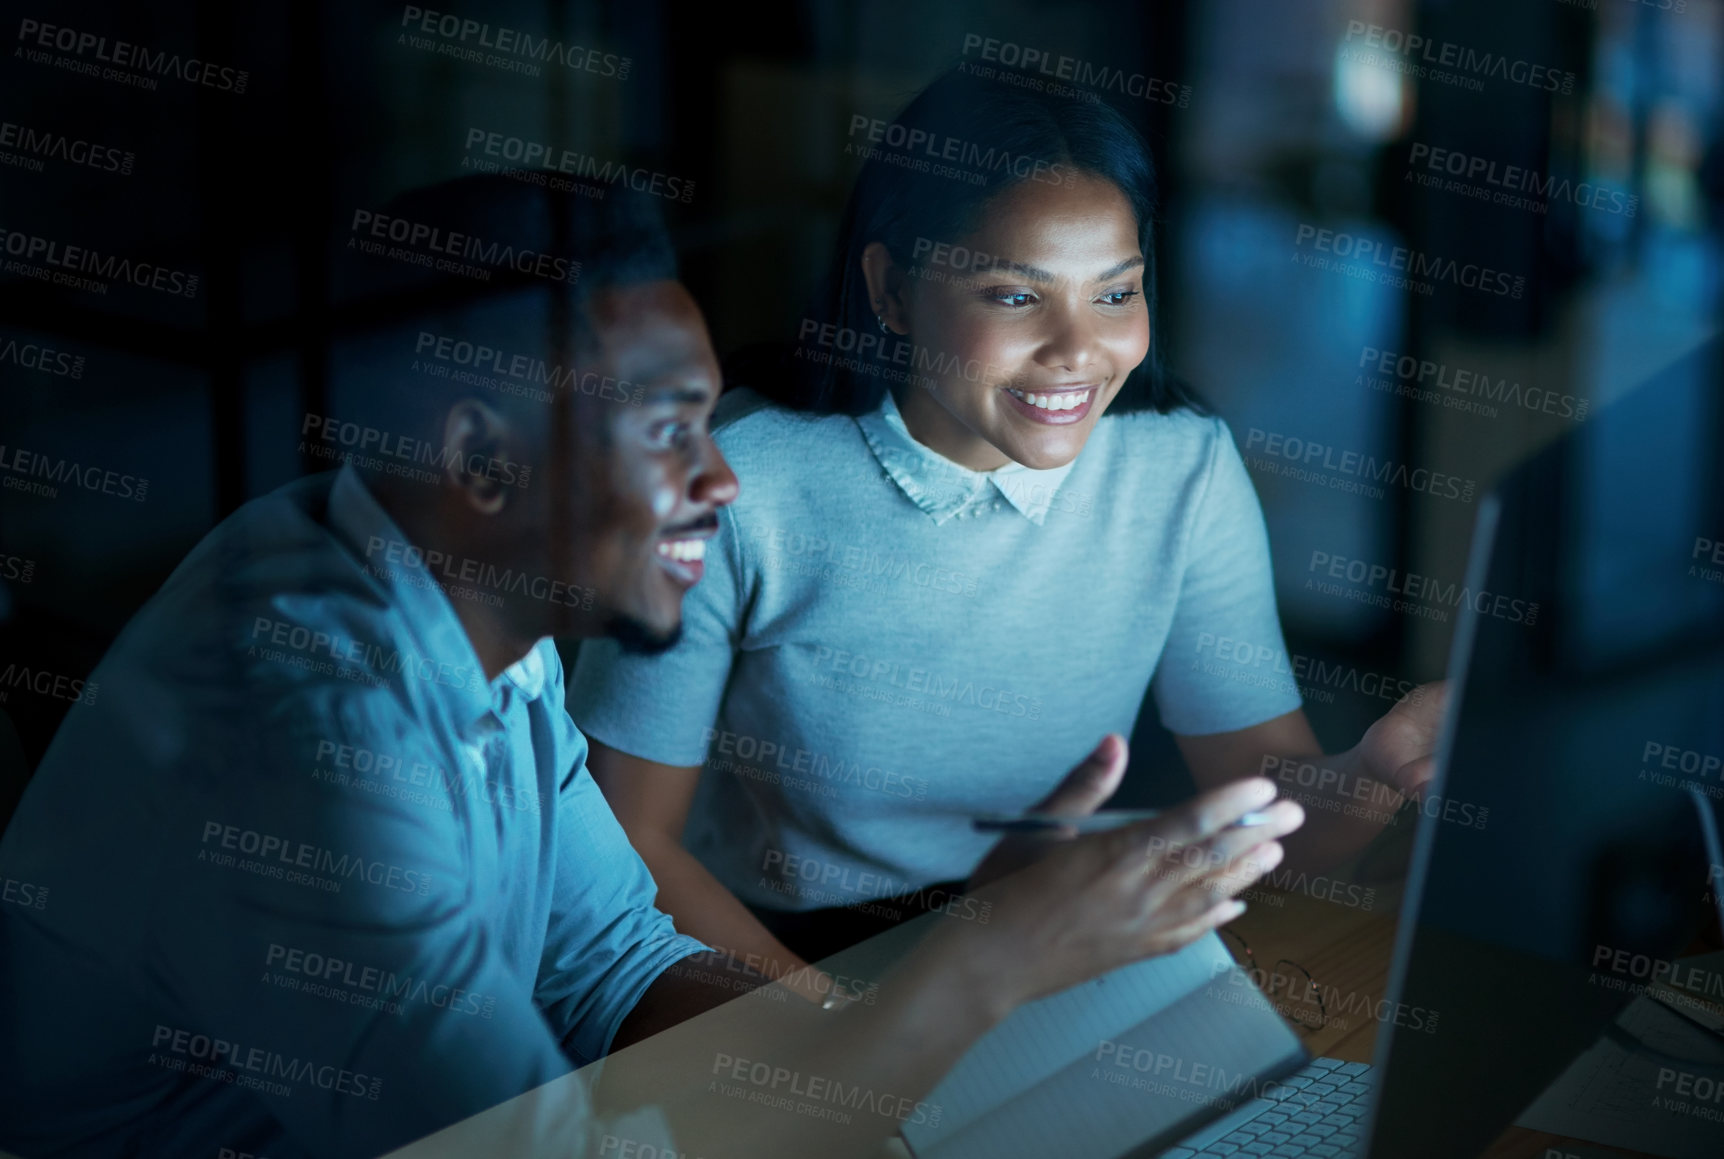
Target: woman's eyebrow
(1116, 270)
(1037, 274)
(1001, 265)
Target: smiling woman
(1060, 327)
(977, 524)
(911, 227)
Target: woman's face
(1026, 345)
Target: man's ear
(885, 287)
(476, 445)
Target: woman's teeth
(1070, 400)
(686, 550)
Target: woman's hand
(1084, 790)
(1399, 749)
(1066, 910)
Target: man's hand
(1399, 749)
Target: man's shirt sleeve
(607, 941)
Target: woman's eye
(1005, 297)
(1119, 297)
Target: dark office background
(1279, 126)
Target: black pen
(1087, 823)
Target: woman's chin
(1043, 452)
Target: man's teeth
(1070, 400)
(686, 550)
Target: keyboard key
(1305, 1117)
(1288, 1151)
(1331, 1064)
(1179, 1153)
(1256, 1149)
(1274, 1137)
(1241, 1137)
(1322, 1130)
(1322, 1088)
(1222, 1148)
(1299, 1081)
(1356, 1089)
(1228, 1123)
(1340, 1122)
(1270, 1118)
(1344, 1139)
(1353, 1068)
(1322, 1151)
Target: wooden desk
(1350, 950)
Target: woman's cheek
(986, 355)
(1131, 346)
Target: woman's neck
(939, 430)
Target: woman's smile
(1055, 406)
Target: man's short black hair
(458, 239)
(505, 263)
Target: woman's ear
(885, 288)
(475, 442)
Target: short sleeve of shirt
(606, 942)
(1226, 612)
(661, 708)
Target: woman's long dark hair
(930, 174)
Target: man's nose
(714, 484)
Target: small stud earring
(881, 318)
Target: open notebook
(1133, 1060)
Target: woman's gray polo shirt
(886, 643)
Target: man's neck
(496, 647)
(496, 642)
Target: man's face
(636, 496)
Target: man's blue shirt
(303, 880)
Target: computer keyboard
(1318, 1112)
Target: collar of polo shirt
(527, 674)
(359, 519)
(943, 488)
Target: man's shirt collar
(381, 549)
(943, 488)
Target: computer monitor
(1592, 732)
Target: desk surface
(1346, 948)
(1350, 950)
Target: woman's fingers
(1198, 819)
(1080, 793)
(1177, 863)
(1090, 783)
(1215, 878)
(1110, 898)
(1175, 916)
